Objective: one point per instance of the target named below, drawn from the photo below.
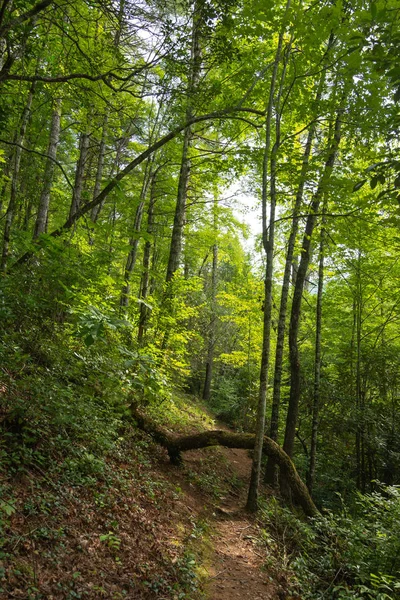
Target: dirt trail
(237, 562)
(235, 566)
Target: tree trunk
(359, 391)
(175, 445)
(212, 327)
(294, 398)
(213, 306)
(290, 269)
(12, 205)
(180, 208)
(43, 209)
(134, 241)
(99, 171)
(268, 243)
(6, 175)
(145, 283)
(79, 173)
(317, 366)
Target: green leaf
(381, 178)
(7, 508)
(359, 185)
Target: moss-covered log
(175, 445)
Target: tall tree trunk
(94, 214)
(12, 205)
(268, 243)
(359, 390)
(180, 208)
(271, 473)
(134, 241)
(44, 202)
(145, 283)
(317, 364)
(148, 178)
(6, 174)
(213, 305)
(212, 327)
(294, 398)
(79, 173)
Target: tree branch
(25, 16)
(70, 222)
(175, 445)
(59, 165)
(106, 77)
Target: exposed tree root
(175, 445)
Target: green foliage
(340, 555)
(90, 328)
(93, 325)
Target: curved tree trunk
(175, 445)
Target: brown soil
(111, 546)
(236, 571)
(235, 566)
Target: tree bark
(212, 327)
(144, 287)
(213, 306)
(6, 175)
(94, 214)
(44, 203)
(175, 445)
(358, 304)
(268, 243)
(180, 208)
(294, 398)
(317, 363)
(270, 472)
(134, 241)
(79, 174)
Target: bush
(342, 556)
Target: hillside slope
(133, 526)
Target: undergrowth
(84, 511)
(338, 555)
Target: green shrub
(342, 555)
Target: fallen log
(175, 445)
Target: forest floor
(140, 528)
(235, 563)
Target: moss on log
(175, 445)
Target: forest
(199, 299)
